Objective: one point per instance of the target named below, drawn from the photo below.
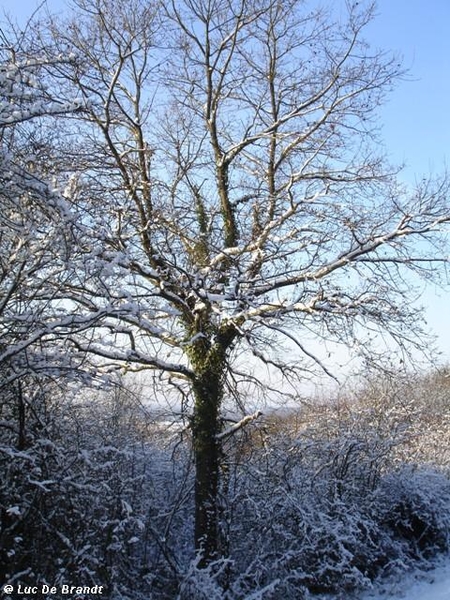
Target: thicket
(98, 490)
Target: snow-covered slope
(433, 585)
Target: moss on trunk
(209, 362)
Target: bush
(416, 509)
(324, 505)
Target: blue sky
(416, 118)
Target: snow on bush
(327, 506)
(415, 506)
(324, 507)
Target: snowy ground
(432, 585)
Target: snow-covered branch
(239, 425)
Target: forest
(196, 209)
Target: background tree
(36, 237)
(232, 200)
(35, 242)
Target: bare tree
(35, 228)
(232, 199)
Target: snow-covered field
(432, 585)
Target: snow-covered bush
(203, 583)
(328, 505)
(94, 497)
(415, 506)
(321, 506)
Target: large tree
(232, 198)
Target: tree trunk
(208, 391)
(208, 357)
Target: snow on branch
(239, 425)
